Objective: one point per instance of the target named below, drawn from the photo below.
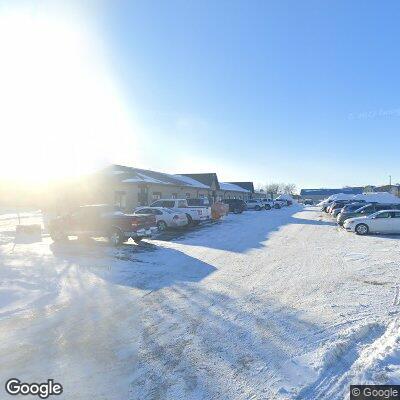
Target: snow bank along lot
(265, 305)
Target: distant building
(394, 189)
(320, 194)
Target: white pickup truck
(195, 214)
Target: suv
(365, 210)
(268, 203)
(254, 204)
(102, 220)
(348, 207)
(236, 206)
(337, 204)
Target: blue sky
(272, 91)
(304, 92)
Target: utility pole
(390, 183)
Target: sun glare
(60, 112)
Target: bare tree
(272, 189)
(289, 188)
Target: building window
(120, 200)
(188, 195)
(156, 196)
(174, 195)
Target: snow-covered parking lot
(264, 305)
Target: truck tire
(116, 237)
(362, 229)
(162, 226)
(190, 219)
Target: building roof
(330, 192)
(206, 178)
(245, 185)
(136, 175)
(232, 187)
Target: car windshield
(364, 208)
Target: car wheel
(267, 207)
(58, 235)
(257, 208)
(362, 229)
(162, 226)
(277, 206)
(138, 240)
(116, 237)
(236, 211)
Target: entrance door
(143, 195)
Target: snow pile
(377, 197)
(287, 197)
(360, 355)
(370, 197)
(337, 196)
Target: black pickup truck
(103, 221)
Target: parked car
(308, 202)
(279, 203)
(195, 214)
(165, 217)
(385, 221)
(268, 203)
(102, 220)
(287, 199)
(347, 208)
(365, 210)
(236, 206)
(336, 204)
(254, 204)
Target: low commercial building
(252, 194)
(209, 179)
(128, 187)
(232, 191)
(260, 194)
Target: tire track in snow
(339, 360)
